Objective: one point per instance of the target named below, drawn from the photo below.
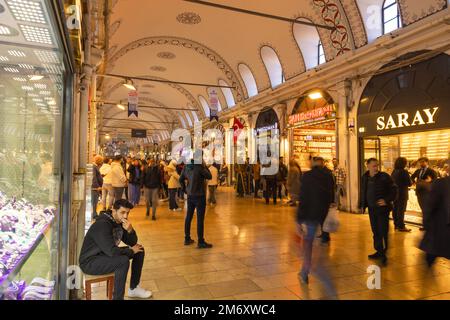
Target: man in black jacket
(97, 182)
(196, 175)
(101, 254)
(152, 183)
(378, 191)
(316, 197)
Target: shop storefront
(266, 125)
(312, 128)
(36, 90)
(401, 117)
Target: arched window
(249, 80)
(183, 123)
(228, 94)
(320, 53)
(205, 106)
(186, 114)
(273, 66)
(307, 39)
(194, 116)
(390, 16)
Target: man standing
(423, 177)
(118, 178)
(127, 174)
(97, 183)
(212, 184)
(339, 177)
(152, 182)
(196, 175)
(378, 191)
(257, 178)
(107, 189)
(101, 254)
(316, 197)
(135, 177)
(282, 178)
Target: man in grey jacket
(196, 176)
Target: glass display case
(32, 77)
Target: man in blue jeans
(196, 175)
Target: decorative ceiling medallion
(189, 18)
(166, 55)
(158, 68)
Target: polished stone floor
(255, 256)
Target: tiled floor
(255, 257)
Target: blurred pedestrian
(293, 181)
(403, 181)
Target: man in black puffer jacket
(378, 192)
(196, 176)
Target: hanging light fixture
(36, 76)
(121, 106)
(129, 85)
(315, 95)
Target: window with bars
(390, 16)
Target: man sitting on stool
(101, 254)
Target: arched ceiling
(184, 41)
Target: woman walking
(173, 185)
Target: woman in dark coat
(436, 242)
(403, 181)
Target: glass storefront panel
(32, 73)
(435, 145)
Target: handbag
(331, 223)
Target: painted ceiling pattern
(188, 42)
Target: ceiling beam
(126, 77)
(136, 120)
(259, 14)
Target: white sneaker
(178, 209)
(139, 293)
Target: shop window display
(32, 74)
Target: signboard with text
(327, 112)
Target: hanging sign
(133, 101)
(213, 103)
(327, 112)
(138, 133)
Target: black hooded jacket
(385, 189)
(103, 238)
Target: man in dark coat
(378, 192)
(316, 197)
(97, 182)
(423, 177)
(436, 242)
(196, 175)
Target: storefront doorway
(400, 117)
(312, 128)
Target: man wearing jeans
(196, 176)
(212, 184)
(152, 182)
(118, 178)
(316, 197)
(97, 182)
(101, 254)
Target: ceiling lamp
(315, 95)
(121, 106)
(36, 76)
(129, 85)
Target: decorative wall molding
(410, 14)
(355, 21)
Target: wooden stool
(90, 279)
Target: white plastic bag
(331, 223)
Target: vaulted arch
(227, 93)
(205, 106)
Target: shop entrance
(313, 129)
(435, 145)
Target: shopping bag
(331, 223)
